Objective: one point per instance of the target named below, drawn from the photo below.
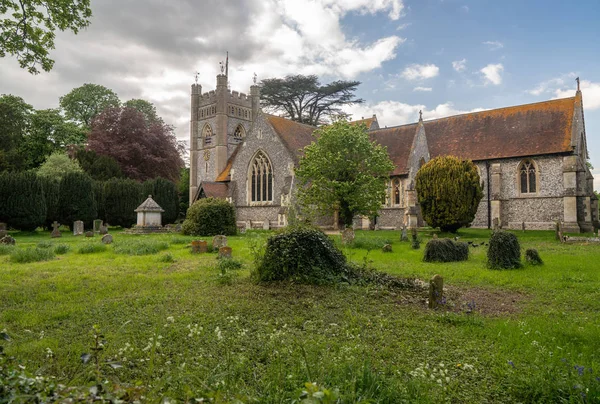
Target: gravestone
(348, 235)
(523, 226)
(248, 225)
(559, 232)
(89, 234)
(199, 246)
(387, 248)
(7, 240)
(496, 224)
(436, 291)
(97, 225)
(55, 232)
(404, 234)
(78, 228)
(103, 229)
(178, 227)
(225, 252)
(3, 231)
(219, 241)
(107, 239)
(266, 225)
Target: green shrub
(98, 187)
(302, 254)
(76, 201)
(91, 248)
(368, 243)
(61, 249)
(140, 247)
(180, 240)
(45, 244)
(164, 192)
(449, 190)
(51, 188)
(166, 258)
(22, 202)
(446, 250)
(228, 264)
(6, 249)
(504, 251)
(533, 257)
(210, 217)
(24, 256)
(121, 198)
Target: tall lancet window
(239, 133)
(207, 134)
(397, 192)
(528, 177)
(261, 179)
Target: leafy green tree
(449, 191)
(83, 104)
(22, 202)
(15, 119)
(146, 108)
(164, 192)
(28, 28)
(343, 170)
(99, 167)
(76, 200)
(121, 198)
(303, 99)
(57, 165)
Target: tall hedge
(449, 190)
(164, 192)
(209, 217)
(22, 202)
(98, 187)
(51, 189)
(76, 201)
(121, 198)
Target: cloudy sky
(441, 56)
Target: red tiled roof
(215, 189)
(225, 174)
(398, 141)
(295, 136)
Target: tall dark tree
(22, 202)
(183, 187)
(121, 198)
(83, 104)
(164, 192)
(303, 99)
(27, 28)
(15, 119)
(143, 151)
(51, 187)
(76, 200)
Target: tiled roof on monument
(149, 205)
(295, 136)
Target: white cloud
(465, 9)
(494, 45)
(420, 72)
(459, 65)
(493, 73)
(424, 89)
(590, 92)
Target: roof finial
(578, 84)
(227, 65)
(420, 115)
(222, 67)
(254, 78)
(196, 77)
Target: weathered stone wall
(481, 217)
(391, 217)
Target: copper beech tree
(143, 149)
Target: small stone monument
(199, 246)
(97, 225)
(149, 214)
(248, 225)
(107, 239)
(219, 241)
(496, 224)
(7, 240)
(78, 228)
(348, 235)
(3, 231)
(55, 232)
(266, 225)
(225, 252)
(89, 234)
(387, 248)
(404, 234)
(436, 291)
(559, 232)
(103, 229)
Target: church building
(531, 159)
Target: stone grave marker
(559, 232)
(266, 225)
(89, 234)
(103, 229)
(496, 224)
(387, 248)
(436, 291)
(199, 246)
(404, 234)
(248, 225)
(55, 232)
(3, 231)
(219, 241)
(435, 236)
(78, 228)
(348, 235)
(107, 239)
(8, 240)
(97, 225)
(225, 252)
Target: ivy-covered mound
(504, 251)
(210, 217)
(446, 250)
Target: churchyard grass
(179, 330)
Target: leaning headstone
(436, 291)
(387, 248)
(55, 232)
(97, 225)
(225, 252)
(3, 231)
(7, 240)
(404, 234)
(266, 225)
(199, 246)
(89, 234)
(103, 229)
(219, 241)
(107, 239)
(348, 235)
(496, 224)
(559, 232)
(78, 229)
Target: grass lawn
(176, 325)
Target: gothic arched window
(527, 177)
(207, 134)
(239, 133)
(261, 178)
(397, 192)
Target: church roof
(149, 205)
(370, 123)
(295, 136)
(215, 189)
(226, 173)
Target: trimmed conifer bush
(210, 217)
(164, 192)
(76, 200)
(446, 250)
(98, 187)
(304, 255)
(121, 199)
(51, 189)
(449, 190)
(504, 251)
(533, 257)
(22, 202)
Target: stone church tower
(220, 119)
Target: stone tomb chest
(149, 213)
